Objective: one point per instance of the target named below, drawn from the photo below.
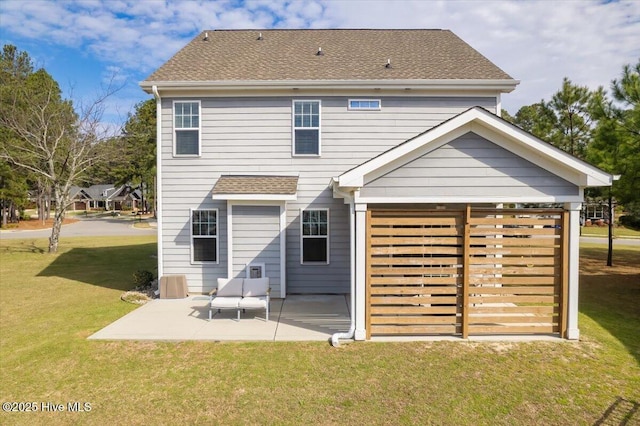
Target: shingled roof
(242, 184)
(355, 55)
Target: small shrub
(630, 221)
(142, 278)
(135, 297)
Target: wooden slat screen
(415, 266)
(515, 271)
(417, 261)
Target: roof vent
(260, 37)
(319, 52)
(206, 37)
(388, 64)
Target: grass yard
(603, 231)
(49, 304)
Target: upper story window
(364, 105)
(306, 127)
(186, 123)
(204, 235)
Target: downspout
(158, 207)
(335, 338)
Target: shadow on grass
(110, 267)
(621, 412)
(609, 295)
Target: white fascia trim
(594, 176)
(255, 197)
(464, 199)
(503, 85)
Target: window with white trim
(315, 236)
(306, 127)
(186, 123)
(204, 235)
(364, 105)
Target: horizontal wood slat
(387, 260)
(414, 300)
(475, 309)
(508, 260)
(501, 280)
(520, 319)
(515, 231)
(546, 290)
(414, 290)
(415, 281)
(533, 241)
(393, 310)
(532, 329)
(501, 221)
(413, 319)
(503, 298)
(414, 329)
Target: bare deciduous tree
(47, 137)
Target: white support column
(361, 271)
(283, 249)
(229, 239)
(573, 333)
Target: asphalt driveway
(87, 227)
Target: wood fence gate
(469, 272)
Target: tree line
(48, 144)
(593, 125)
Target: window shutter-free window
(187, 128)
(315, 236)
(306, 127)
(204, 235)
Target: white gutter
(503, 85)
(335, 342)
(156, 94)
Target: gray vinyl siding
(256, 239)
(253, 136)
(469, 166)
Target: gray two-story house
(372, 163)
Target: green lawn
(603, 231)
(49, 304)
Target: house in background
(105, 197)
(372, 163)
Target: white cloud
(537, 42)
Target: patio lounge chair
(240, 294)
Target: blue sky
(85, 44)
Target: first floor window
(315, 236)
(204, 235)
(306, 127)
(187, 128)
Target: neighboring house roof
(240, 187)
(346, 55)
(493, 128)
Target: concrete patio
(296, 318)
